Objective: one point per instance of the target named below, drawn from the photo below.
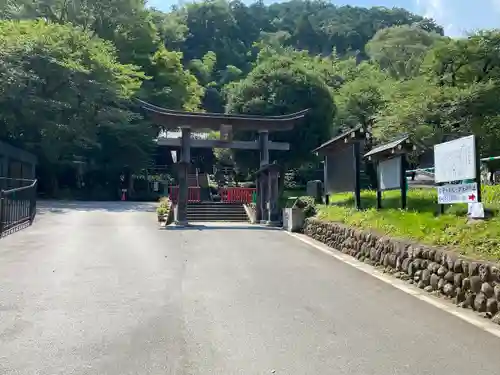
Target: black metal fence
(17, 204)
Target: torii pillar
(180, 214)
(267, 210)
(261, 208)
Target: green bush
(162, 211)
(307, 205)
(164, 207)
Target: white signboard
(463, 193)
(389, 174)
(455, 160)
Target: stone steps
(216, 212)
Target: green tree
(213, 27)
(204, 68)
(414, 107)
(171, 86)
(462, 62)
(171, 27)
(281, 86)
(400, 50)
(63, 95)
(127, 24)
(359, 100)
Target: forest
(70, 71)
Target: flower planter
(293, 219)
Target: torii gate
(267, 192)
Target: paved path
(97, 288)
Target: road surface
(97, 288)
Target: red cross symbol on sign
(472, 197)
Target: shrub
(165, 202)
(162, 211)
(164, 207)
(307, 205)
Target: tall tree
(281, 86)
(400, 50)
(460, 62)
(171, 85)
(63, 95)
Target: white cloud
(433, 8)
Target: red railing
(193, 193)
(236, 194)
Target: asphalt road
(97, 288)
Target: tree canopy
(71, 70)
(64, 94)
(280, 86)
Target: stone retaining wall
(469, 284)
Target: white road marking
(467, 315)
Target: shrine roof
(172, 119)
(348, 136)
(397, 146)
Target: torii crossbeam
(226, 124)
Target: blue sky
(457, 16)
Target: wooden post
(379, 199)
(403, 182)
(441, 206)
(262, 182)
(274, 212)
(325, 181)
(182, 175)
(258, 207)
(379, 191)
(263, 194)
(478, 170)
(357, 174)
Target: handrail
(22, 187)
(17, 207)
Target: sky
(458, 17)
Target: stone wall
(469, 284)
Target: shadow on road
(15, 229)
(63, 207)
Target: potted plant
(162, 213)
(295, 214)
(163, 210)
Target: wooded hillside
(69, 70)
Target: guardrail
(17, 204)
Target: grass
(420, 221)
